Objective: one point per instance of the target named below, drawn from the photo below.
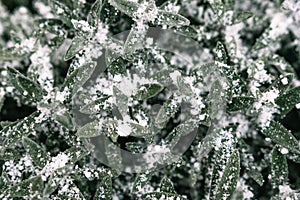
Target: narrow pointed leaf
(77, 78)
(229, 178)
(78, 43)
(279, 168)
(280, 135)
(36, 152)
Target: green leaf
(78, 43)
(97, 106)
(241, 16)
(257, 177)
(216, 99)
(64, 118)
(171, 19)
(104, 189)
(51, 185)
(166, 185)
(91, 129)
(221, 54)
(11, 54)
(280, 135)
(140, 181)
(62, 10)
(36, 152)
(15, 131)
(148, 90)
(121, 101)
(25, 188)
(179, 131)
(127, 7)
(24, 85)
(117, 66)
(229, 178)
(9, 154)
(279, 168)
(288, 100)
(161, 195)
(188, 31)
(166, 112)
(77, 78)
(240, 103)
(134, 40)
(94, 14)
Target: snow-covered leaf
(36, 152)
(77, 78)
(166, 185)
(171, 19)
(78, 43)
(104, 189)
(288, 100)
(89, 130)
(230, 176)
(24, 85)
(279, 169)
(147, 91)
(280, 135)
(240, 103)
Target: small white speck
(284, 151)
(284, 81)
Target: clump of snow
(57, 162)
(284, 151)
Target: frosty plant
(136, 99)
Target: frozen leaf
(166, 185)
(117, 66)
(216, 96)
(78, 43)
(51, 185)
(221, 54)
(96, 106)
(64, 118)
(240, 103)
(9, 154)
(11, 54)
(25, 188)
(279, 169)
(280, 135)
(51, 25)
(229, 178)
(25, 85)
(188, 31)
(288, 100)
(121, 101)
(36, 152)
(94, 14)
(161, 195)
(179, 131)
(125, 6)
(241, 16)
(62, 10)
(257, 177)
(166, 112)
(141, 180)
(77, 78)
(147, 91)
(15, 131)
(104, 188)
(89, 130)
(171, 19)
(135, 39)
